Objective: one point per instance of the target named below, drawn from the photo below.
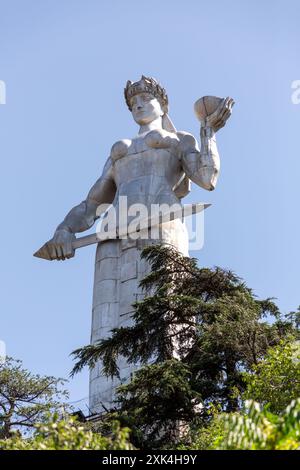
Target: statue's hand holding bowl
(60, 246)
(213, 112)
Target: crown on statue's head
(146, 85)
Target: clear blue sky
(65, 64)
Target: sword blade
(151, 221)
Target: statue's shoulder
(120, 149)
(187, 142)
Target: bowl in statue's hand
(206, 105)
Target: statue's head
(146, 99)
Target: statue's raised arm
(203, 166)
(82, 216)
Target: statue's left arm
(202, 165)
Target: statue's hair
(146, 85)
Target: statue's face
(145, 108)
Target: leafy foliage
(294, 317)
(68, 434)
(199, 330)
(157, 402)
(258, 429)
(208, 434)
(276, 379)
(26, 398)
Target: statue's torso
(147, 168)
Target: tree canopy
(196, 332)
(26, 398)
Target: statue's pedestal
(118, 272)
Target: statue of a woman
(155, 167)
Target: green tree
(67, 434)
(275, 381)
(157, 404)
(209, 320)
(294, 317)
(258, 429)
(209, 434)
(26, 398)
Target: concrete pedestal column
(118, 272)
